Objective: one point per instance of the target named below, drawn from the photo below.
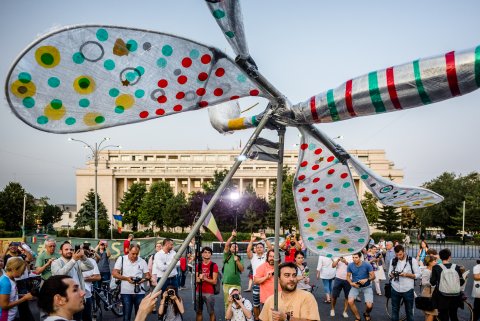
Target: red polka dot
(301, 177)
(182, 79)
(162, 83)
(177, 108)
(301, 190)
(310, 219)
(203, 103)
(162, 99)
(206, 59)
(180, 95)
(186, 62)
(305, 199)
(330, 159)
(159, 112)
(307, 209)
(304, 163)
(315, 167)
(254, 92)
(331, 171)
(202, 76)
(315, 191)
(316, 179)
(144, 114)
(219, 72)
(304, 146)
(218, 92)
(201, 91)
(234, 97)
(318, 151)
(321, 199)
(344, 175)
(328, 186)
(322, 211)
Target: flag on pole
(118, 222)
(211, 224)
(264, 150)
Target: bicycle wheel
(388, 308)
(116, 302)
(465, 314)
(97, 313)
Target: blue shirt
(7, 289)
(360, 272)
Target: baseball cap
(231, 290)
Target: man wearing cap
(238, 308)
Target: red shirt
(291, 256)
(206, 286)
(126, 246)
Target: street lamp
(96, 149)
(235, 196)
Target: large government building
(186, 170)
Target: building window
(198, 158)
(196, 184)
(125, 158)
(149, 158)
(260, 184)
(223, 158)
(161, 158)
(185, 158)
(173, 157)
(184, 183)
(172, 184)
(113, 158)
(210, 158)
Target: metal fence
(459, 251)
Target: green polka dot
(78, 58)
(132, 45)
(336, 249)
(310, 238)
(114, 92)
(320, 233)
(241, 78)
(42, 120)
(324, 223)
(119, 109)
(361, 240)
(348, 219)
(194, 54)
(338, 231)
(109, 64)
(84, 83)
(350, 249)
(328, 240)
(70, 121)
(84, 102)
(350, 203)
(24, 77)
(357, 228)
(139, 93)
(335, 214)
(230, 34)
(56, 104)
(131, 76)
(167, 50)
(319, 247)
(329, 255)
(99, 119)
(346, 185)
(336, 200)
(102, 34)
(28, 102)
(140, 69)
(53, 82)
(47, 59)
(162, 62)
(306, 225)
(364, 176)
(344, 241)
(218, 14)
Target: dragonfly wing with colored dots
(331, 219)
(91, 77)
(228, 15)
(391, 194)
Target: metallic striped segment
(410, 85)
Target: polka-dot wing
(391, 194)
(91, 77)
(331, 219)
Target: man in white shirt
(403, 272)
(89, 277)
(340, 283)
(133, 271)
(161, 261)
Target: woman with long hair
(303, 280)
(427, 289)
(171, 306)
(422, 252)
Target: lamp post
(96, 149)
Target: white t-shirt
(476, 270)
(341, 272)
(238, 312)
(325, 267)
(133, 269)
(88, 285)
(256, 261)
(161, 261)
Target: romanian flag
(118, 221)
(211, 224)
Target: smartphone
(86, 247)
(77, 247)
(256, 234)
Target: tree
(173, 213)
(210, 187)
(388, 219)
(255, 217)
(130, 204)
(288, 211)
(369, 205)
(11, 208)
(153, 204)
(50, 215)
(86, 215)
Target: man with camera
(132, 271)
(359, 275)
(44, 260)
(403, 272)
(238, 308)
(290, 246)
(232, 267)
(161, 261)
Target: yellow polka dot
(91, 119)
(84, 85)
(54, 114)
(124, 100)
(22, 90)
(47, 56)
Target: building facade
(187, 170)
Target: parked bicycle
(109, 298)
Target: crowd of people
(70, 272)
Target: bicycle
(109, 297)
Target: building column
(188, 185)
(240, 186)
(267, 189)
(114, 199)
(176, 186)
(125, 184)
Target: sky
(302, 47)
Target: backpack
(449, 281)
(218, 285)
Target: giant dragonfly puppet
(90, 77)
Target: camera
(171, 292)
(292, 243)
(236, 297)
(396, 275)
(136, 280)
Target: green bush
(10, 233)
(476, 239)
(387, 236)
(75, 233)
